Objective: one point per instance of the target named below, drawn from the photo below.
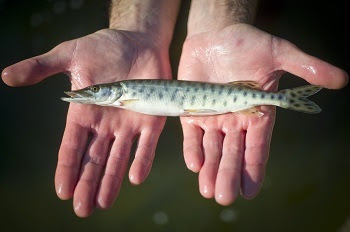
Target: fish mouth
(79, 97)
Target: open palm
(96, 144)
(230, 151)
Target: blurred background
(308, 174)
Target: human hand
(96, 144)
(230, 151)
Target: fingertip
(314, 70)
(206, 191)
(103, 203)
(135, 179)
(138, 175)
(33, 70)
(26, 72)
(227, 187)
(144, 156)
(194, 166)
(5, 75)
(192, 146)
(62, 193)
(330, 77)
(250, 188)
(105, 196)
(81, 210)
(342, 79)
(225, 199)
(64, 188)
(206, 180)
(83, 205)
(249, 194)
(139, 170)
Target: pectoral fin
(128, 101)
(245, 84)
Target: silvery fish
(189, 98)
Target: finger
(115, 170)
(312, 69)
(90, 174)
(69, 159)
(228, 181)
(257, 145)
(35, 69)
(192, 145)
(212, 147)
(144, 156)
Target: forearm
(156, 18)
(207, 15)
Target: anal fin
(199, 111)
(254, 111)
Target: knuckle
(229, 171)
(192, 150)
(115, 179)
(118, 158)
(69, 156)
(255, 164)
(96, 159)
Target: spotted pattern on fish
(176, 98)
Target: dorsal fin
(246, 84)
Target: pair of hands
(229, 151)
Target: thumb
(35, 69)
(312, 69)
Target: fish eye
(95, 89)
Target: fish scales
(176, 97)
(181, 98)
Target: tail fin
(296, 99)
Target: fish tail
(296, 99)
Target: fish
(192, 98)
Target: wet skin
(230, 151)
(96, 144)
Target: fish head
(102, 94)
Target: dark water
(308, 175)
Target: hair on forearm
(156, 17)
(116, 10)
(242, 10)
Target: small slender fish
(189, 98)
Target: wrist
(219, 14)
(154, 18)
